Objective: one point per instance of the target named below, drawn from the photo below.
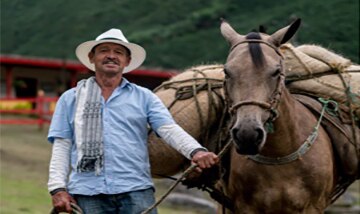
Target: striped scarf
(89, 127)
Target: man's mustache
(110, 60)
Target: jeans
(124, 203)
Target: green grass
(23, 196)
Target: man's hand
(61, 202)
(204, 160)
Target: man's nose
(110, 55)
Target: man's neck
(108, 83)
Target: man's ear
(128, 60)
(91, 56)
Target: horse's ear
(262, 29)
(228, 32)
(283, 35)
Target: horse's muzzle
(248, 140)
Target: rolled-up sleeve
(60, 126)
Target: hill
(176, 34)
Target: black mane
(256, 53)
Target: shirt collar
(123, 83)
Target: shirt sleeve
(179, 139)
(60, 126)
(59, 164)
(158, 114)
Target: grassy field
(24, 162)
(25, 155)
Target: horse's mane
(256, 53)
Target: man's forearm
(59, 164)
(180, 140)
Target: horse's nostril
(259, 136)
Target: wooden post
(40, 108)
(9, 81)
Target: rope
(181, 178)
(350, 104)
(305, 147)
(75, 209)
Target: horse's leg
(222, 210)
(313, 210)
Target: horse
(281, 160)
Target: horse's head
(254, 78)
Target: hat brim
(138, 53)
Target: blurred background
(38, 40)
(175, 34)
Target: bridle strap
(263, 105)
(258, 41)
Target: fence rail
(40, 109)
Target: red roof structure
(74, 69)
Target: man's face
(109, 58)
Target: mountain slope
(176, 34)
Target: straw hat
(113, 35)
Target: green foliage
(176, 34)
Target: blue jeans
(124, 203)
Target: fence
(39, 110)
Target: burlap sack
(329, 86)
(315, 70)
(298, 64)
(164, 160)
(334, 61)
(185, 112)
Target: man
(99, 134)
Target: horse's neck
(291, 128)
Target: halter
(275, 97)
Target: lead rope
(181, 178)
(76, 209)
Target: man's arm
(184, 143)
(58, 174)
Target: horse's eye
(226, 73)
(276, 73)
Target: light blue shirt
(126, 116)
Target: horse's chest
(278, 198)
(271, 192)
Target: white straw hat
(113, 35)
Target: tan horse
(291, 170)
